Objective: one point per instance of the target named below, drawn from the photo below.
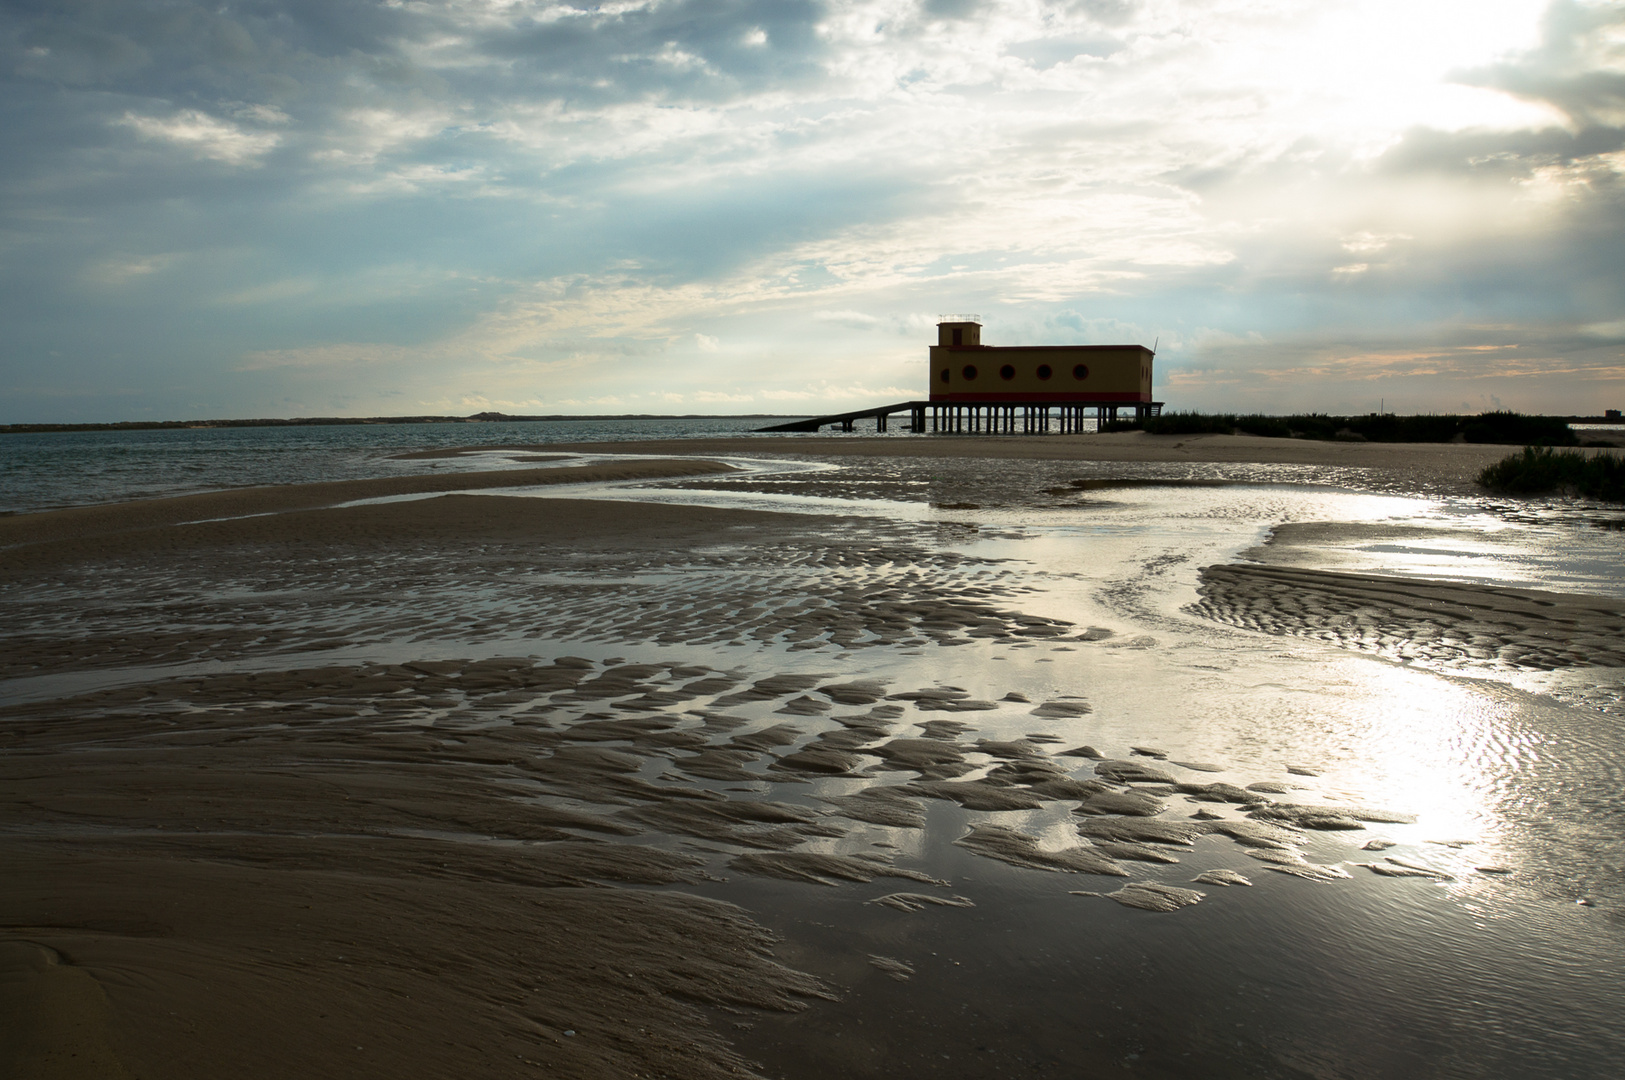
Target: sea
(1499, 954)
(51, 470)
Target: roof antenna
(1154, 344)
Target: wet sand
(1441, 622)
(306, 513)
(344, 869)
(1452, 467)
(421, 868)
(229, 857)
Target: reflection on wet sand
(493, 783)
(441, 776)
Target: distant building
(1032, 389)
(999, 380)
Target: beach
(812, 756)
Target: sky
(346, 208)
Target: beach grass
(1540, 469)
(1502, 426)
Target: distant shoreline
(344, 421)
(477, 418)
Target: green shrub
(1540, 469)
(1195, 423)
(1492, 427)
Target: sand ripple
(1438, 622)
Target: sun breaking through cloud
(760, 206)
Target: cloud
(1369, 243)
(204, 135)
(326, 357)
(555, 201)
(117, 270)
(826, 393)
(1530, 368)
(606, 401)
(1578, 66)
(270, 292)
(857, 320)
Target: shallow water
(1505, 965)
(1488, 973)
(47, 470)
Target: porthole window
(1081, 371)
(1045, 371)
(1007, 372)
(968, 371)
(944, 374)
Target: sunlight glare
(1383, 66)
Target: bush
(1195, 423)
(1492, 427)
(1540, 469)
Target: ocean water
(1502, 960)
(48, 470)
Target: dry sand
(436, 869)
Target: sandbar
(1435, 466)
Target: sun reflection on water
(1430, 746)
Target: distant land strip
(1497, 427)
(329, 421)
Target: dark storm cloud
(1500, 155)
(1563, 71)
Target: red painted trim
(1045, 348)
(1054, 398)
